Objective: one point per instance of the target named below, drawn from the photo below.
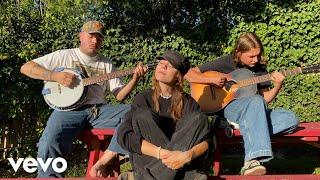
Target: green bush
(139, 31)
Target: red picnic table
(98, 139)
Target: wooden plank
(309, 129)
(224, 177)
(268, 177)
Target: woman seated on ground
(165, 132)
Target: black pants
(190, 131)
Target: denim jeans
(257, 123)
(63, 126)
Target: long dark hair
(177, 97)
(246, 42)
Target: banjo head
(64, 98)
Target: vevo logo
(30, 164)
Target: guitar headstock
(311, 69)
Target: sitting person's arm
(270, 94)
(194, 75)
(122, 93)
(177, 159)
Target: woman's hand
(176, 159)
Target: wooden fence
(9, 134)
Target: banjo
(63, 98)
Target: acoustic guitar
(64, 98)
(240, 83)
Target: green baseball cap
(93, 27)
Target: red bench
(266, 177)
(98, 139)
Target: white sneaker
(233, 124)
(253, 168)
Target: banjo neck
(108, 76)
(112, 75)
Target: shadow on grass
(302, 159)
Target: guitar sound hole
(229, 84)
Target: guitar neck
(267, 77)
(105, 77)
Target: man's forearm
(35, 71)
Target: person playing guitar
(63, 126)
(250, 111)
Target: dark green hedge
(140, 30)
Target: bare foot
(99, 169)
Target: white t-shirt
(90, 66)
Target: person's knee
(49, 143)
(199, 119)
(53, 145)
(288, 119)
(125, 107)
(256, 99)
(292, 120)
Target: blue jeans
(257, 123)
(63, 126)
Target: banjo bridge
(59, 88)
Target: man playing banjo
(64, 125)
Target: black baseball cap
(179, 62)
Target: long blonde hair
(177, 97)
(246, 42)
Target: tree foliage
(141, 30)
